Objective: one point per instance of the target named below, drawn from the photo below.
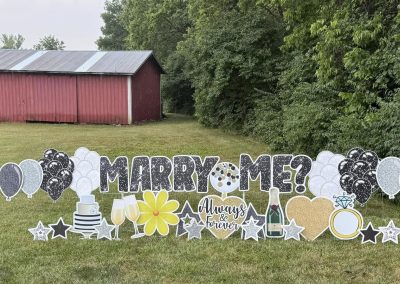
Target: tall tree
(160, 26)
(232, 52)
(11, 41)
(49, 42)
(114, 32)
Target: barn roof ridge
(121, 62)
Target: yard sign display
(337, 182)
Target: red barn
(110, 87)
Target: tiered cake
(87, 215)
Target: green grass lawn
(169, 259)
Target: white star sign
(390, 233)
(292, 231)
(40, 233)
(251, 230)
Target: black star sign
(369, 234)
(60, 229)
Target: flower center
(156, 213)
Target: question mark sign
(302, 164)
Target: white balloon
(81, 152)
(330, 190)
(329, 172)
(315, 184)
(324, 157)
(316, 169)
(84, 186)
(75, 160)
(336, 159)
(84, 167)
(387, 176)
(336, 180)
(75, 177)
(93, 158)
(94, 176)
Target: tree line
(50, 42)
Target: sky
(76, 22)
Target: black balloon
(46, 177)
(66, 176)
(345, 166)
(54, 167)
(43, 163)
(346, 182)
(71, 166)
(371, 158)
(360, 168)
(370, 176)
(57, 172)
(49, 154)
(55, 187)
(62, 158)
(355, 153)
(362, 189)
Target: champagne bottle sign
(274, 218)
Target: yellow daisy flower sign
(156, 212)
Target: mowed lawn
(169, 259)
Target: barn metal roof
(84, 62)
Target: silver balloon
(388, 175)
(32, 176)
(10, 180)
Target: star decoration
(60, 229)
(259, 220)
(194, 230)
(40, 232)
(369, 234)
(251, 230)
(186, 220)
(104, 230)
(187, 212)
(292, 231)
(390, 233)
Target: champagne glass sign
(118, 215)
(132, 213)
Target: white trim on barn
(129, 100)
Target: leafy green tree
(232, 52)
(114, 32)
(11, 41)
(160, 26)
(301, 76)
(49, 42)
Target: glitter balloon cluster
(57, 172)
(358, 174)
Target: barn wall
(37, 97)
(12, 103)
(51, 98)
(146, 102)
(102, 99)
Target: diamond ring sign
(148, 189)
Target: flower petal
(144, 218)
(144, 208)
(162, 227)
(162, 197)
(149, 198)
(150, 226)
(170, 206)
(170, 218)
